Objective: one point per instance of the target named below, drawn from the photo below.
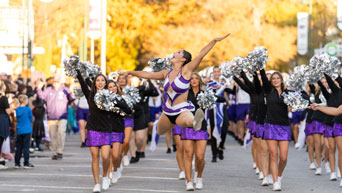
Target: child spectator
(38, 123)
(24, 130)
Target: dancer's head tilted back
(181, 56)
(100, 82)
(277, 80)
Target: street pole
(29, 43)
(22, 34)
(103, 36)
(309, 33)
(85, 29)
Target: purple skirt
(337, 129)
(259, 130)
(97, 139)
(328, 131)
(317, 127)
(129, 122)
(251, 126)
(191, 134)
(308, 129)
(118, 137)
(277, 132)
(176, 130)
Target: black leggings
(213, 141)
(1, 142)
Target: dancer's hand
(221, 38)
(124, 73)
(314, 106)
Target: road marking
(83, 188)
(88, 166)
(80, 175)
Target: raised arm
(191, 66)
(247, 81)
(324, 90)
(265, 82)
(84, 86)
(147, 75)
(331, 84)
(339, 80)
(242, 85)
(256, 83)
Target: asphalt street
(158, 172)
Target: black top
(336, 94)
(249, 88)
(98, 120)
(153, 93)
(261, 107)
(276, 113)
(3, 104)
(328, 119)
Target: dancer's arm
(147, 75)
(242, 85)
(324, 90)
(339, 81)
(247, 81)
(84, 86)
(265, 82)
(256, 83)
(191, 66)
(328, 110)
(331, 84)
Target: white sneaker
(341, 184)
(199, 184)
(312, 166)
(254, 165)
(125, 161)
(105, 183)
(181, 175)
(189, 186)
(264, 182)
(115, 178)
(2, 167)
(338, 173)
(327, 167)
(110, 175)
(199, 116)
(279, 179)
(277, 186)
(119, 173)
(195, 177)
(261, 176)
(318, 171)
(97, 188)
(333, 176)
(270, 179)
(257, 171)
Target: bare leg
(140, 137)
(240, 129)
(132, 144)
(332, 152)
(310, 144)
(164, 124)
(284, 150)
(188, 146)
(83, 131)
(264, 157)
(295, 132)
(180, 152)
(116, 155)
(338, 141)
(125, 146)
(145, 139)
(110, 160)
(105, 152)
(168, 139)
(254, 151)
(200, 152)
(317, 144)
(95, 160)
(185, 119)
(273, 148)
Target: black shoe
(168, 150)
(133, 160)
(28, 166)
(174, 148)
(60, 156)
(137, 156)
(17, 166)
(142, 154)
(214, 160)
(54, 157)
(83, 145)
(220, 156)
(3, 162)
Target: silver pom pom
(158, 64)
(295, 101)
(92, 70)
(234, 67)
(297, 78)
(71, 65)
(207, 99)
(78, 92)
(105, 100)
(257, 59)
(131, 96)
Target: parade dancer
(277, 131)
(308, 130)
(176, 108)
(82, 115)
(99, 135)
(195, 141)
(129, 123)
(118, 135)
(249, 88)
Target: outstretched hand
(221, 38)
